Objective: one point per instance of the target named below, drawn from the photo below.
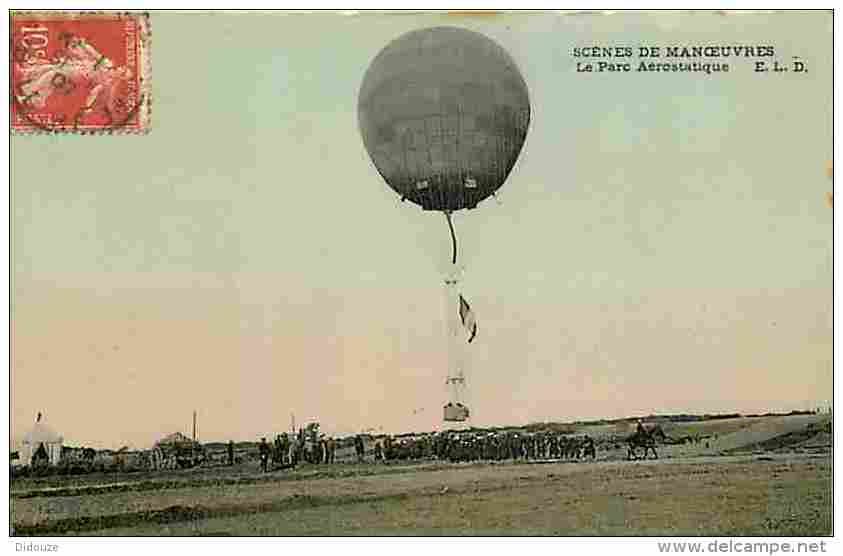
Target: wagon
(177, 452)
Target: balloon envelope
(444, 113)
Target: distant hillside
(572, 427)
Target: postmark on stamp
(79, 72)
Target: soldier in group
(378, 452)
(332, 449)
(459, 448)
(277, 453)
(321, 450)
(294, 451)
(285, 448)
(588, 447)
(388, 452)
(230, 452)
(359, 448)
(264, 454)
(300, 445)
(515, 446)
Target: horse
(646, 439)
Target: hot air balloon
(443, 113)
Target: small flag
(467, 318)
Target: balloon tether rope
(453, 237)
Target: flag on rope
(467, 318)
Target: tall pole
(455, 380)
(194, 425)
(451, 324)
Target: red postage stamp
(79, 72)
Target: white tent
(41, 434)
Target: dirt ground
(782, 490)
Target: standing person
(359, 447)
(300, 446)
(332, 449)
(294, 451)
(230, 452)
(322, 451)
(277, 454)
(388, 453)
(589, 449)
(285, 448)
(264, 453)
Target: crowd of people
(288, 450)
(490, 446)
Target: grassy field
(784, 490)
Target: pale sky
(662, 245)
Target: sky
(663, 244)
